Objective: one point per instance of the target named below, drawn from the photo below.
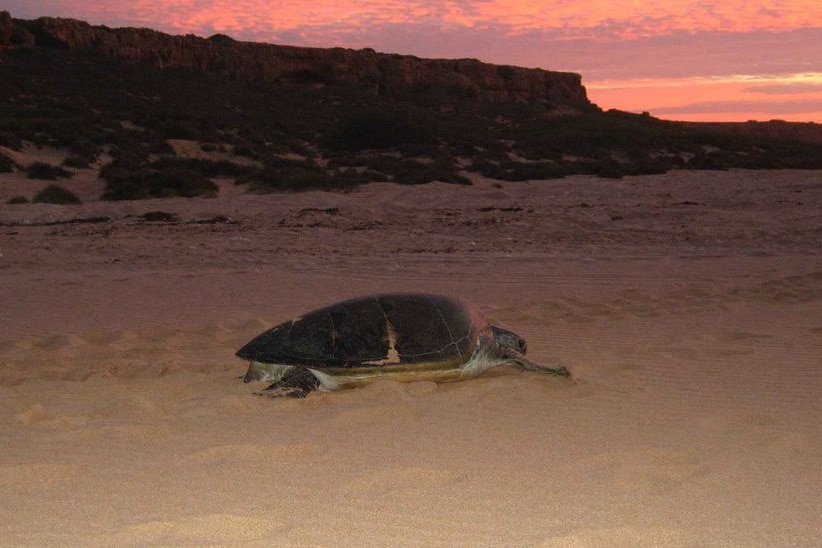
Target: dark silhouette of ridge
(379, 73)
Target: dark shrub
(507, 73)
(209, 168)
(78, 162)
(10, 139)
(126, 186)
(413, 172)
(289, 178)
(609, 169)
(376, 130)
(6, 163)
(161, 146)
(159, 217)
(221, 39)
(521, 171)
(177, 129)
(244, 150)
(718, 161)
(652, 166)
(48, 172)
(182, 182)
(54, 194)
(149, 183)
(123, 164)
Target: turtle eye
(523, 346)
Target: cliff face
(385, 74)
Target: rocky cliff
(384, 74)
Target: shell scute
(358, 331)
(374, 331)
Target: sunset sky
(731, 60)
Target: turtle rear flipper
(298, 382)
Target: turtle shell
(374, 331)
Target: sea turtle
(404, 337)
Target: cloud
(786, 89)
(773, 107)
(617, 18)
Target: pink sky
(729, 60)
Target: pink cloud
(789, 88)
(622, 17)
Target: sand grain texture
(687, 306)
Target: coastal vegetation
(303, 133)
(55, 194)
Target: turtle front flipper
(520, 362)
(298, 382)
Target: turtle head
(513, 349)
(508, 340)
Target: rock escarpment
(383, 74)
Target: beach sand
(687, 306)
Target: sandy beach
(687, 306)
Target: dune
(687, 306)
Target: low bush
(78, 162)
(209, 168)
(160, 217)
(653, 166)
(714, 161)
(54, 194)
(6, 164)
(10, 139)
(413, 172)
(608, 169)
(150, 183)
(290, 179)
(244, 150)
(160, 146)
(47, 172)
(522, 171)
(377, 130)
